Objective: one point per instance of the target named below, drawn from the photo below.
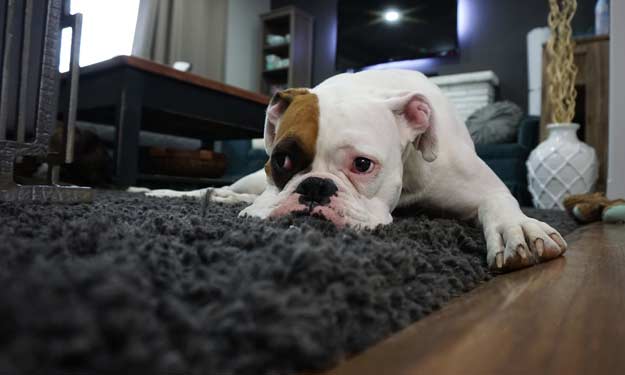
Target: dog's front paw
(136, 189)
(521, 243)
(167, 193)
(225, 195)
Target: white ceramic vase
(561, 165)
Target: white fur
(354, 112)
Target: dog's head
(341, 158)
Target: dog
(359, 145)
(92, 166)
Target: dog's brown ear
(417, 122)
(277, 106)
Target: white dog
(359, 145)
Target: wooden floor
(563, 317)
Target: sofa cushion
(495, 123)
(502, 151)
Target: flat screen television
(371, 32)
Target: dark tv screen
(377, 31)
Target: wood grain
(561, 317)
(167, 71)
(592, 60)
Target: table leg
(128, 116)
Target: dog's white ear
(417, 122)
(277, 106)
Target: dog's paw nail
(499, 260)
(540, 246)
(521, 251)
(558, 240)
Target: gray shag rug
(131, 284)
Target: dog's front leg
(244, 190)
(514, 240)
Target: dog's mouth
(312, 209)
(309, 213)
(324, 213)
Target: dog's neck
(415, 171)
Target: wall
(494, 39)
(243, 43)
(616, 157)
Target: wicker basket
(185, 163)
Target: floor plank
(563, 317)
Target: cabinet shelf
(277, 47)
(276, 72)
(299, 26)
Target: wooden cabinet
(592, 55)
(286, 57)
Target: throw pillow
(495, 123)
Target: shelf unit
(298, 49)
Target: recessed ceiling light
(392, 16)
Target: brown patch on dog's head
(291, 131)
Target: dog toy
(587, 208)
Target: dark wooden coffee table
(134, 94)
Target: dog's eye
(283, 161)
(362, 165)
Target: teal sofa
(508, 159)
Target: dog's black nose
(316, 190)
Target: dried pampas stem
(561, 68)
